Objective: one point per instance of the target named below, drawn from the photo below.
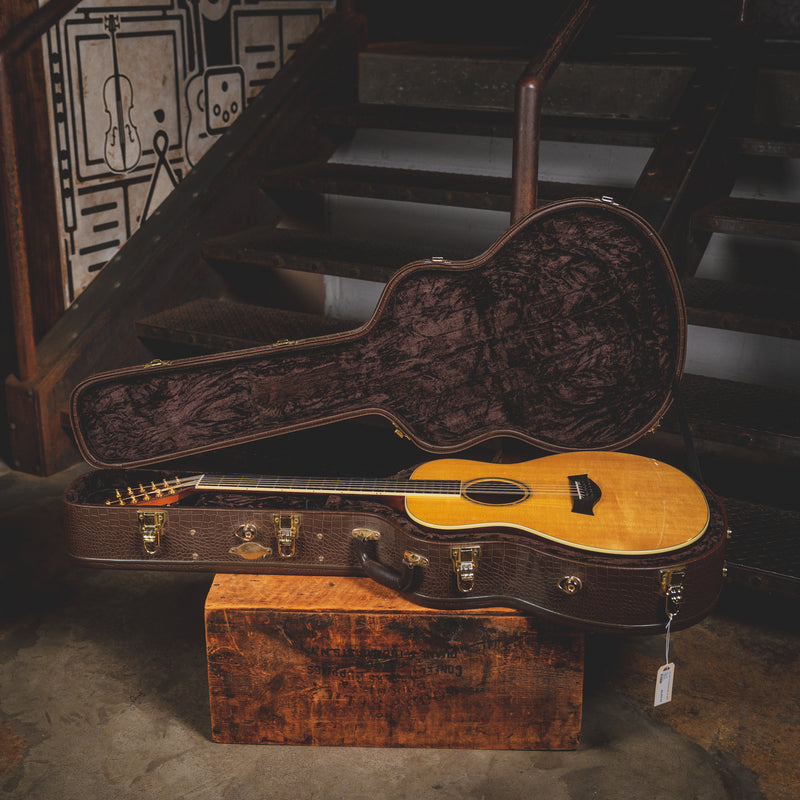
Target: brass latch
(465, 564)
(671, 581)
(151, 526)
(287, 529)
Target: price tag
(664, 680)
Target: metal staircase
(217, 268)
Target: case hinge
(151, 527)
(465, 564)
(287, 529)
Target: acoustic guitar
(601, 501)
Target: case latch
(465, 564)
(151, 526)
(672, 589)
(287, 529)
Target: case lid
(567, 334)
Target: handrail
(12, 44)
(528, 107)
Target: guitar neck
(348, 486)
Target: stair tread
(743, 307)
(217, 325)
(323, 253)
(422, 186)
(755, 309)
(501, 124)
(731, 412)
(434, 77)
(763, 549)
(779, 141)
(743, 215)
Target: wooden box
(344, 661)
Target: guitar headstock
(160, 494)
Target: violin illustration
(123, 148)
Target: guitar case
(567, 335)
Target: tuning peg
(118, 499)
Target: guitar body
(641, 506)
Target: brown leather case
(568, 334)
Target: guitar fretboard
(353, 486)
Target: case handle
(405, 580)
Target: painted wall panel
(139, 92)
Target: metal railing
(528, 106)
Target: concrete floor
(103, 694)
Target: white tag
(664, 684)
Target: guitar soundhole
(495, 492)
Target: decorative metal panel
(139, 91)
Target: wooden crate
(343, 661)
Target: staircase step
(765, 141)
(212, 326)
(710, 303)
(321, 253)
(419, 186)
(763, 551)
(729, 412)
(499, 124)
(743, 307)
(486, 81)
(745, 216)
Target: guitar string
(418, 488)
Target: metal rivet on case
(570, 584)
(192, 532)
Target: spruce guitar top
(602, 501)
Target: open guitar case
(567, 335)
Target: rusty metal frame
(528, 106)
(12, 45)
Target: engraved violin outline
(123, 148)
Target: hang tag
(664, 679)
(666, 674)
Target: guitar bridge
(585, 494)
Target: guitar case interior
(568, 334)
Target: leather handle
(402, 581)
